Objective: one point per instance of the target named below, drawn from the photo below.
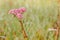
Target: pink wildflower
(18, 12)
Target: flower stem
(23, 31)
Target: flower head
(18, 12)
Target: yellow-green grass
(40, 15)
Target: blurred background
(39, 17)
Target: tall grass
(40, 15)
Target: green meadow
(40, 15)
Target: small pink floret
(11, 11)
(22, 9)
(19, 16)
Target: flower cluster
(18, 12)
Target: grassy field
(39, 17)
